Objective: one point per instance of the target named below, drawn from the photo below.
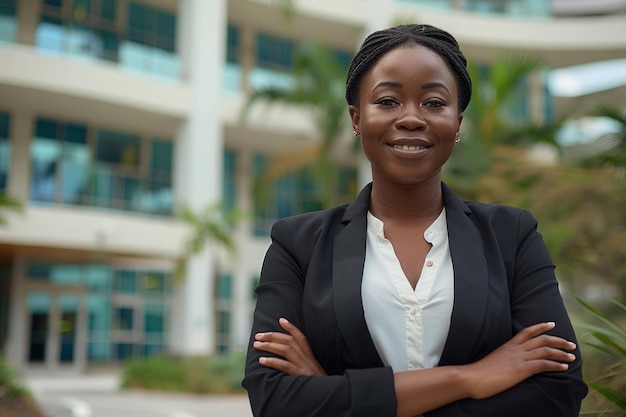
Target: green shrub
(157, 372)
(605, 366)
(15, 400)
(221, 374)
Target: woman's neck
(406, 203)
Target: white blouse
(409, 328)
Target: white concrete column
(199, 156)
(17, 341)
(21, 131)
(241, 320)
(28, 19)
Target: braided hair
(382, 41)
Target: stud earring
(354, 133)
(456, 141)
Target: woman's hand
(296, 356)
(529, 352)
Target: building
(115, 112)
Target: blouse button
(429, 264)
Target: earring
(354, 133)
(456, 141)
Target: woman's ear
(356, 118)
(458, 129)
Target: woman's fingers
(293, 349)
(303, 342)
(529, 352)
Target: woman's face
(408, 115)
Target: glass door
(39, 318)
(68, 328)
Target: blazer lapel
(348, 261)
(470, 281)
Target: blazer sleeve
(357, 392)
(534, 298)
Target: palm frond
(9, 204)
(213, 224)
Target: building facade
(115, 113)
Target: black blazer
(503, 281)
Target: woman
(409, 300)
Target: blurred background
(147, 146)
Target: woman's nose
(411, 117)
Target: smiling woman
(408, 300)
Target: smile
(409, 147)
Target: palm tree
(211, 225)
(488, 122)
(613, 153)
(8, 204)
(318, 85)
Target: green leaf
(614, 396)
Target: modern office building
(114, 113)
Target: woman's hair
(382, 41)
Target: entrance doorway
(56, 329)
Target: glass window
(8, 20)
(229, 185)
(151, 41)
(113, 173)
(154, 282)
(5, 151)
(124, 318)
(59, 161)
(223, 331)
(98, 278)
(224, 287)
(154, 318)
(158, 197)
(125, 351)
(108, 10)
(295, 193)
(131, 302)
(82, 28)
(273, 52)
(99, 315)
(232, 44)
(45, 151)
(117, 148)
(126, 282)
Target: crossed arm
(529, 352)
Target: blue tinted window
(224, 287)
(125, 282)
(150, 26)
(66, 168)
(295, 193)
(8, 7)
(124, 318)
(273, 52)
(229, 185)
(232, 44)
(154, 318)
(155, 282)
(59, 161)
(117, 148)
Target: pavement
(95, 395)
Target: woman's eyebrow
(435, 85)
(395, 84)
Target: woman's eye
(386, 102)
(434, 103)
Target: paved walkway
(98, 395)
